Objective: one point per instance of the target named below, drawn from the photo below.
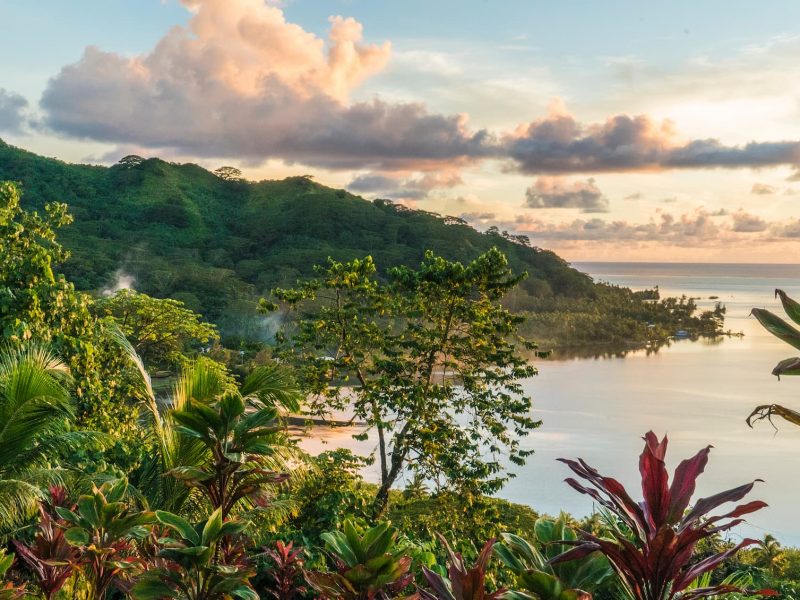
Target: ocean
(696, 392)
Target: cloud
(762, 189)
(478, 218)
(687, 230)
(746, 223)
(634, 196)
(402, 187)
(697, 229)
(12, 111)
(790, 230)
(240, 81)
(559, 143)
(556, 192)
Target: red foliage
(51, 558)
(655, 560)
(286, 571)
(462, 583)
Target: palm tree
(203, 388)
(770, 554)
(35, 410)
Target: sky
(602, 130)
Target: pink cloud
(240, 81)
(559, 143)
(557, 192)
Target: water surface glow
(697, 392)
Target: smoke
(236, 326)
(122, 281)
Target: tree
(430, 360)
(770, 555)
(161, 330)
(130, 161)
(35, 411)
(36, 303)
(229, 174)
(224, 441)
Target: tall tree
(161, 330)
(36, 302)
(430, 360)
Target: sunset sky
(603, 130)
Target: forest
(141, 457)
(217, 243)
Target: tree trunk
(381, 501)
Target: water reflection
(596, 402)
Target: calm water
(697, 392)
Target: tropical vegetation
(142, 456)
(216, 243)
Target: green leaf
(87, 507)
(152, 588)
(777, 327)
(191, 551)
(67, 515)
(337, 543)
(117, 491)
(179, 525)
(77, 536)
(190, 474)
(212, 528)
(5, 562)
(791, 307)
(789, 366)
(543, 585)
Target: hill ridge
(217, 244)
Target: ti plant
(461, 582)
(789, 366)
(653, 552)
(103, 527)
(369, 564)
(285, 572)
(50, 557)
(8, 591)
(196, 562)
(546, 581)
(242, 436)
(735, 581)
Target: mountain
(217, 242)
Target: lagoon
(698, 392)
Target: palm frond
(34, 406)
(273, 386)
(19, 501)
(202, 380)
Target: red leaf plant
(462, 582)
(286, 571)
(51, 558)
(654, 560)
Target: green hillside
(217, 244)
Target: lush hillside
(217, 243)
